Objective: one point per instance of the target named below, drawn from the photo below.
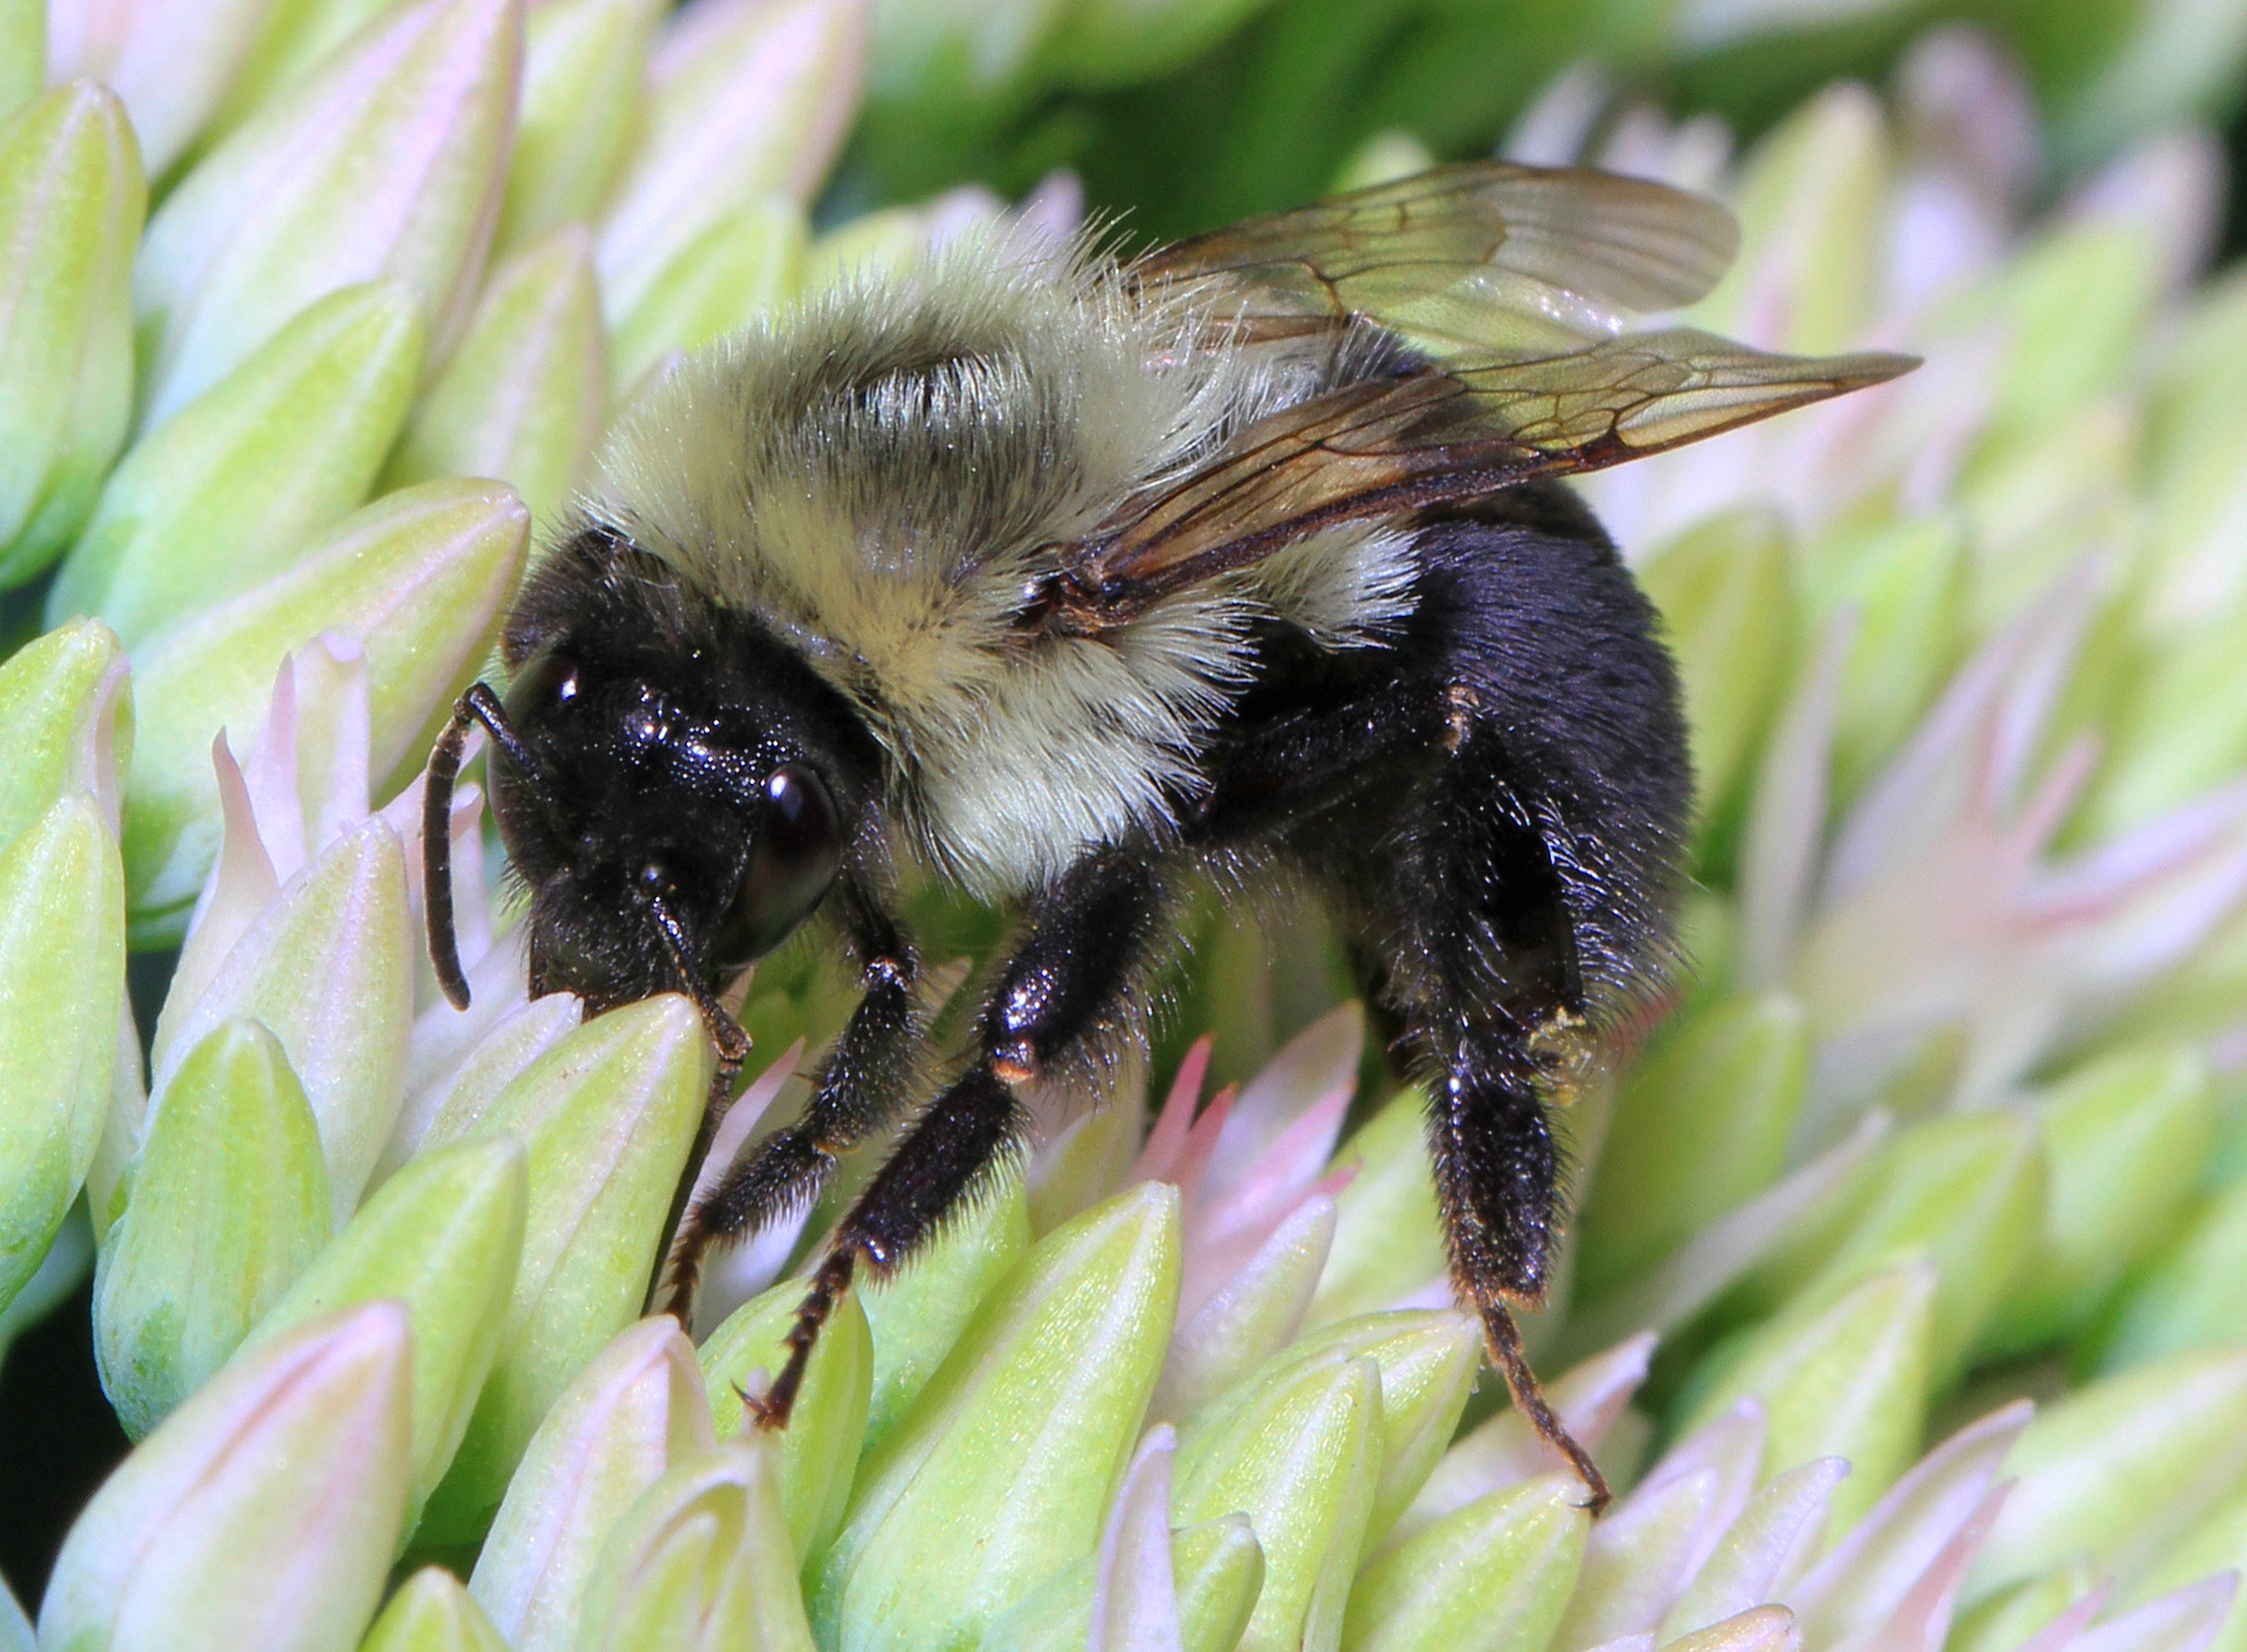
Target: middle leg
(1071, 990)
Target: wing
(1445, 435)
(1484, 258)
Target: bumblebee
(1076, 580)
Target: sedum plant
(1905, 1301)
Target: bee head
(669, 827)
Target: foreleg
(1071, 985)
(865, 1081)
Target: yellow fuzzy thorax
(879, 474)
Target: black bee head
(671, 828)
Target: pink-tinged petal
(1643, 1554)
(748, 98)
(2172, 187)
(388, 160)
(1922, 1618)
(1877, 1565)
(1250, 1317)
(1313, 1064)
(2059, 1635)
(2188, 1620)
(1224, 1233)
(242, 886)
(1782, 1522)
(1506, 1450)
(1135, 1603)
(1165, 1145)
(445, 1101)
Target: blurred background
(2042, 196)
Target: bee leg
(1497, 1178)
(865, 1081)
(1069, 985)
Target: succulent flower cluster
(1908, 1296)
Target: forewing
(1392, 446)
(1483, 257)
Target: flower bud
(917, 1315)
(385, 161)
(2126, 1139)
(226, 1206)
(583, 61)
(634, 1411)
(66, 703)
(1840, 1378)
(2217, 1544)
(327, 969)
(418, 577)
(1588, 1399)
(999, 1474)
(2178, 733)
(1428, 1360)
(1296, 1448)
(444, 1102)
(169, 63)
(702, 1561)
(2120, 1468)
(1388, 1236)
(1250, 1317)
(749, 99)
(1493, 1575)
(820, 1445)
(2189, 1300)
(1757, 1630)
(296, 35)
(608, 1115)
(1645, 1551)
(1217, 1570)
(61, 993)
(71, 198)
(1783, 1524)
(1701, 1124)
(525, 395)
(744, 266)
(443, 1237)
(263, 1516)
(1727, 602)
(432, 1613)
(234, 488)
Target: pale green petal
(1493, 1577)
(608, 1115)
(1012, 1451)
(227, 1206)
(526, 393)
(1296, 1448)
(418, 579)
(244, 480)
(71, 198)
(432, 1613)
(636, 1410)
(918, 1314)
(386, 161)
(584, 108)
(61, 992)
(443, 1237)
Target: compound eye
(799, 852)
(543, 687)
